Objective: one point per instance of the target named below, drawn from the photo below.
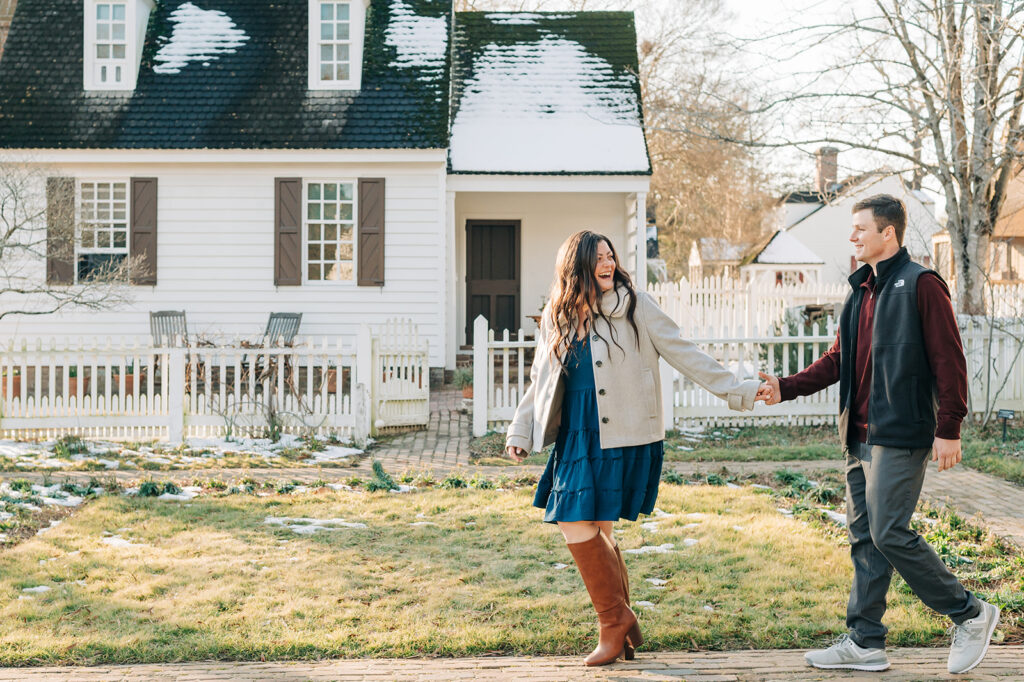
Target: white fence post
(481, 377)
(364, 380)
(175, 378)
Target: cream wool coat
(627, 383)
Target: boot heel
(628, 652)
(634, 638)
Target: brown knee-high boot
(599, 568)
(628, 650)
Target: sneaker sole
(988, 640)
(852, 666)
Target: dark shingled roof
(513, 43)
(256, 98)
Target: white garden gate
(400, 392)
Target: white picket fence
(129, 388)
(707, 307)
(994, 364)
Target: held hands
(517, 454)
(769, 391)
(946, 453)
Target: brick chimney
(826, 169)
(6, 14)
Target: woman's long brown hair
(575, 288)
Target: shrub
(673, 477)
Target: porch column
(636, 238)
(450, 283)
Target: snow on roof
(199, 35)
(420, 42)
(785, 248)
(523, 18)
(547, 105)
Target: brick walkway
(1002, 663)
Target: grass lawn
(985, 450)
(440, 571)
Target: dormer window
(114, 33)
(336, 44)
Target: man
(902, 375)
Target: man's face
(869, 245)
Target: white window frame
(357, 29)
(135, 19)
(80, 221)
(306, 182)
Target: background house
(780, 260)
(352, 160)
(715, 257)
(819, 218)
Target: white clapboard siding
(216, 257)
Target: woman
(594, 393)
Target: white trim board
(549, 183)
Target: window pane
(103, 191)
(117, 52)
(103, 51)
(346, 192)
(343, 11)
(314, 191)
(91, 265)
(331, 192)
(118, 12)
(88, 238)
(119, 191)
(327, 11)
(342, 72)
(330, 211)
(313, 252)
(340, 272)
(118, 31)
(326, 72)
(345, 233)
(326, 53)
(87, 191)
(326, 33)
(313, 272)
(314, 233)
(344, 252)
(120, 240)
(342, 53)
(342, 31)
(346, 212)
(313, 212)
(330, 233)
(103, 12)
(103, 32)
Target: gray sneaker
(847, 654)
(971, 638)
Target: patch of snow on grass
(690, 542)
(652, 549)
(118, 541)
(309, 526)
(198, 36)
(38, 589)
(657, 582)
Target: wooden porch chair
(281, 326)
(165, 325)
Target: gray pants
(883, 485)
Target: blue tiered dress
(582, 481)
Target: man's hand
(769, 389)
(517, 454)
(946, 453)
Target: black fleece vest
(903, 403)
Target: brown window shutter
(287, 228)
(370, 272)
(143, 230)
(60, 230)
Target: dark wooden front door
(492, 274)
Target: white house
(820, 218)
(781, 260)
(352, 160)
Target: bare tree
(34, 230)
(934, 86)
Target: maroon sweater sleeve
(821, 374)
(945, 353)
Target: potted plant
(15, 374)
(129, 377)
(73, 381)
(463, 378)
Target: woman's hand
(517, 454)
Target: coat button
(594, 337)
(604, 420)
(600, 391)
(598, 363)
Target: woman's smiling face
(604, 272)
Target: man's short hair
(887, 210)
